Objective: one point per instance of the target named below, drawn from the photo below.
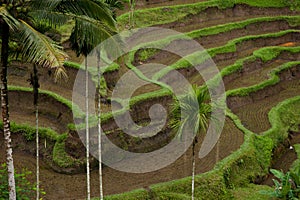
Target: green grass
(59, 155)
(274, 79)
(168, 14)
(296, 163)
(74, 108)
(29, 131)
(251, 192)
(232, 175)
(200, 57)
(283, 117)
(196, 34)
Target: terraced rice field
(255, 48)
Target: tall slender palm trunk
(35, 85)
(193, 167)
(99, 126)
(5, 111)
(87, 135)
(217, 151)
(37, 153)
(131, 15)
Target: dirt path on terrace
(257, 71)
(254, 114)
(61, 186)
(244, 49)
(220, 39)
(214, 16)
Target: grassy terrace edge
(214, 30)
(235, 171)
(168, 14)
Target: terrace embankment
(69, 186)
(214, 16)
(257, 71)
(253, 109)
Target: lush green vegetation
(232, 177)
(168, 14)
(25, 189)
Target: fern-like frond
(40, 49)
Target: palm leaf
(277, 173)
(40, 49)
(91, 8)
(83, 36)
(10, 20)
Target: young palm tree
(192, 110)
(132, 4)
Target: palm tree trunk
(217, 151)
(87, 136)
(99, 127)
(131, 15)
(37, 153)
(5, 111)
(35, 84)
(193, 168)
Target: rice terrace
(150, 99)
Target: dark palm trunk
(5, 112)
(35, 85)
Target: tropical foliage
(192, 110)
(20, 19)
(287, 185)
(25, 189)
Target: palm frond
(40, 49)
(50, 17)
(94, 9)
(10, 20)
(192, 110)
(88, 33)
(45, 4)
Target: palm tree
(115, 5)
(89, 32)
(192, 110)
(16, 18)
(35, 85)
(132, 4)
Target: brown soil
(52, 113)
(253, 109)
(285, 157)
(255, 72)
(74, 186)
(62, 186)
(243, 49)
(156, 3)
(214, 16)
(168, 58)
